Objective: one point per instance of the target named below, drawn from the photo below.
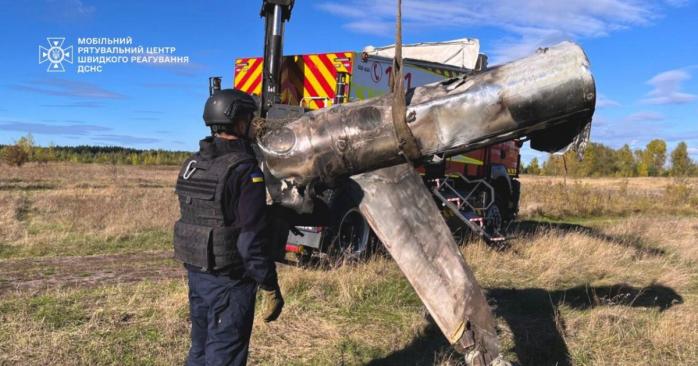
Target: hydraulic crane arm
(275, 13)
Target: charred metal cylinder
(553, 88)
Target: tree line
(603, 161)
(25, 150)
(599, 160)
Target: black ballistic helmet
(225, 105)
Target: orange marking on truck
(329, 67)
(241, 66)
(254, 68)
(254, 79)
(313, 73)
(256, 87)
(311, 93)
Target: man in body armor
(222, 235)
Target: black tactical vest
(203, 236)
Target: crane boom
(275, 13)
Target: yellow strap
(465, 160)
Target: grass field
(600, 272)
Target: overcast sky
(644, 56)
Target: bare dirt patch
(36, 275)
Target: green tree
(681, 164)
(599, 160)
(26, 144)
(643, 168)
(603, 161)
(590, 164)
(553, 166)
(607, 161)
(14, 155)
(625, 162)
(571, 164)
(533, 167)
(653, 158)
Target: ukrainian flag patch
(257, 177)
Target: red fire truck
(477, 191)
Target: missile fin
(405, 217)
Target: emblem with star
(55, 54)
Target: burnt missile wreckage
(548, 98)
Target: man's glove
(272, 303)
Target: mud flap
(404, 215)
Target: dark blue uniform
(222, 303)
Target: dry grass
(653, 185)
(620, 293)
(600, 273)
(146, 323)
(555, 197)
(80, 209)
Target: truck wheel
(494, 220)
(353, 237)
